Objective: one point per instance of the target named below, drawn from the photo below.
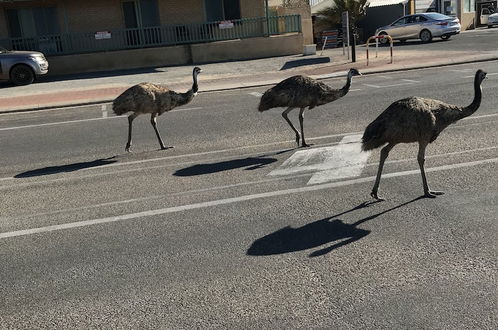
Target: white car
(492, 20)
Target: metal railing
(165, 35)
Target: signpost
(345, 32)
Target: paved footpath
(104, 87)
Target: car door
(396, 30)
(484, 16)
(416, 25)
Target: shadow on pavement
(317, 233)
(252, 163)
(65, 168)
(305, 61)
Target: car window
(437, 16)
(485, 11)
(401, 21)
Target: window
(142, 18)
(220, 10)
(140, 13)
(468, 6)
(401, 21)
(32, 22)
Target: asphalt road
(235, 228)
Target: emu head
(353, 72)
(480, 76)
(197, 70)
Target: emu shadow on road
(65, 168)
(316, 234)
(252, 163)
(305, 61)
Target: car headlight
(37, 59)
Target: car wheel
(383, 41)
(425, 36)
(445, 37)
(22, 75)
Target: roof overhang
(380, 3)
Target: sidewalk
(104, 87)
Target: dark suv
(21, 67)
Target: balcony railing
(165, 35)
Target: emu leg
(153, 121)
(284, 114)
(130, 120)
(301, 121)
(421, 162)
(383, 155)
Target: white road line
(54, 124)
(50, 110)
(411, 81)
(461, 70)
(257, 94)
(202, 154)
(81, 120)
(104, 111)
(228, 186)
(488, 74)
(231, 200)
(386, 86)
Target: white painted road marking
(232, 200)
(345, 160)
(82, 120)
(104, 111)
(487, 75)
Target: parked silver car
(492, 20)
(22, 67)
(421, 26)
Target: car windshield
(437, 16)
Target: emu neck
(476, 102)
(189, 95)
(195, 88)
(344, 90)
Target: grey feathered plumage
(154, 99)
(301, 92)
(416, 119)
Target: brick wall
(94, 15)
(181, 11)
(252, 8)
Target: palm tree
(331, 16)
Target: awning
(380, 3)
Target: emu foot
(376, 196)
(305, 145)
(166, 148)
(433, 194)
(128, 148)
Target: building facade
(72, 27)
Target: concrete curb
(365, 71)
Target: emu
(301, 92)
(153, 99)
(415, 119)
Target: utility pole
(267, 14)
